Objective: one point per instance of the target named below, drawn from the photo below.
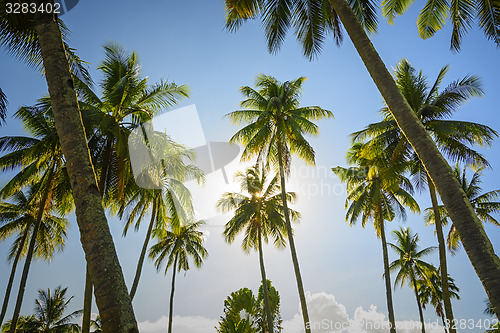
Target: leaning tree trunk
(41, 209)
(387, 274)
(12, 275)
(265, 289)
(442, 256)
(171, 310)
(298, 277)
(474, 239)
(111, 294)
(143, 252)
(420, 312)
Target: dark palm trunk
(474, 239)
(420, 312)
(12, 275)
(143, 252)
(387, 274)
(24, 278)
(110, 292)
(444, 323)
(267, 307)
(442, 256)
(300, 287)
(171, 310)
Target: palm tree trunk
(143, 252)
(387, 274)
(12, 275)
(171, 310)
(298, 277)
(420, 312)
(24, 278)
(267, 307)
(442, 255)
(444, 323)
(111, 292)
(474, 239)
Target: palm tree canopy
(258, 209)
(3, 106)
(274, 118)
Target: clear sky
(185, 42)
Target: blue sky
(185, 42)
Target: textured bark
(420, 312)
(171, 310)
(87, 302)
(442, 256)
(387, 274)
(474, 239)
(12, 275)
(143, 252)
(267, 307)
(111, 294)
(295, 261)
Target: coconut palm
(434, 107)
(175, 246)
(39, 39)
(483, 204)
(275, 128)
(259, 213)
(410, 266)
(17, 218)
(376, 191)
(311, 22)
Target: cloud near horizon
(326, 316)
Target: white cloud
(183, 324)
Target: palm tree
(37, 38)
(434, 108)
(376, 191)
(176, 245)
(410, 265)
(259, 213)
(275, 128)
(312, 21)
(49, 314)
(483, 204)
(96, 324)
(17, 218)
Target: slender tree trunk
(442, 256)
(111, 293)
(444, 323)
(29, 256)
(474, 239)
(12, 275)
(143, 252)
(171, 310)
(300, 287)
(265, 289)
(387, 274)
(420, 312)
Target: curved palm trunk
(143, 252)
(476, 242)
(420, 312)
(387, 274)
(171, 310)
(267, 307)
(12, 275)
(111, 292)
(298, 277)
(442, 256)
(29, 256)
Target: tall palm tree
(483, 204)
(275, 128)
(17, 218)
(37, 38)
(175, 246)
(376, 191)
(434, 108)
(259, 213)
(312, 21)
(410, 265)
